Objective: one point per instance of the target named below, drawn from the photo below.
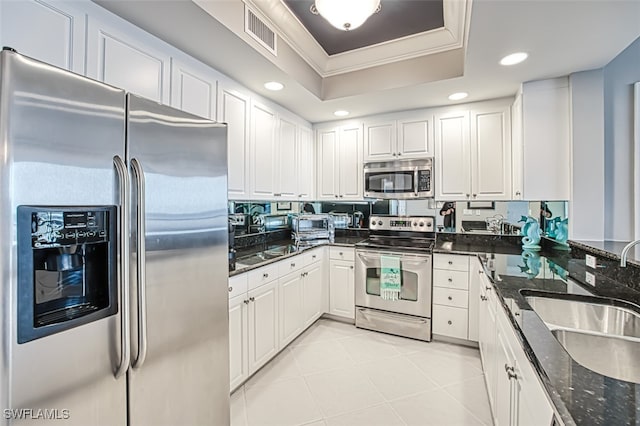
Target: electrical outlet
(591, 261)
(590, 278)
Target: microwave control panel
(424, 180)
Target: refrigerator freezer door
(179, 329)
(59, 133)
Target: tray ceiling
(396, 19)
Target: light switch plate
(591, 261)
(590, 278)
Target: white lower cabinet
(342, 282)
(263, 324)
(516, 395)
(313, 293)
(238, 340)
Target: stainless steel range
(405, 242)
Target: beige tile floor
(336, 374)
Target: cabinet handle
(488, 288)
(450, 298)
(351, 267)
(265, 275)
(313, 257)
(517, 192)
(480, 272)
(449, 322)
(230, 289)
(450, 263)
(246, 302)
(394, 154)
(475, 195)
(468, 195)
(450, 280)
(293, 265)
(341, 196)
(340, 253)
(253, 299)
(336, 195)
(277, 195)
(483, 298)
(399, 154)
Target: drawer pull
(449, 322)
(246, 302)
(230, 289)
(293, 265)
(483, 298)
(313, 257)
(253, 299)
(450, 298)
(488, 288)
(450, 280)
(265, 275)
(450, 263)
(340, 254)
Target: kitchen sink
(601, 334)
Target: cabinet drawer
(342, 253)
(290, 264)
(313, 256)
(451, 279)
(450, 321)
(450, 297)
(238, 285)
(263, 275)
(451, 262)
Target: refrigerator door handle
(125, 350)
(138, 175)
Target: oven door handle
(375, 255)
(389, 315)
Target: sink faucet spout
(625, 251)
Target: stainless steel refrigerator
(113, 252)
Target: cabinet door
(193, 89)
(491, 153)
(291, 317)
(127, 57)
(487, 337)
(516, 149)
(380, 140)
(327, 140)
(503, 403)
(287, 159)
(312, 293)
(306, 169)
(263, 324)
(453, 157)
(55, 33)
(415, 137)
(233, 109)
(350, 161)
(341, 289)
(475, 269)
(263, 149)
(238, 340)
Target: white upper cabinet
(52, 32)
(473, 152)
(263, 151)
(127, 57)
(453, 156)
(340, 162)
(193, 88)
(491, 153)
(286, 161)
(544, 135)
(399, 136)
(233, 109)
(306, 164)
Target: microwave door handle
(123, 279)
(138, 174)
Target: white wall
(619, 76)
(587, 205)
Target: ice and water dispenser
(67, 268)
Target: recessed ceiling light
(341, 113)
(458, 96)
(273, 85)
(514, 58)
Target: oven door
(415, 293)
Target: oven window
(408, 285)
(390, 182)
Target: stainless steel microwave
(399, 180)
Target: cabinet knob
(253, 299)
(340, 253)
(480, 272)
(468, 195)
(293, 265)
(517, 192)
(487, 288)
(246, 302)
(351, 267)
(450, 263)
(394, 154)
(313, 257)
(475, 195)
(449, 322)
(450, 298)
(399, 154)
(483, 298)
(230, 289)
(265, 275)
(341, 196)
(336, 196)
(450, 280)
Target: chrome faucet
(625, 250)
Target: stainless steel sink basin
(603, 337)
(610, 356)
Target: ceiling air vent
(260, 31)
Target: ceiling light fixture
(514, 58)
(345, 15)
(341, 113)
(273, 85)
(458, 96)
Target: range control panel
(61, 228)
(402, 223)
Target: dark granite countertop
(580, 396)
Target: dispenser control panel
(53, 228)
